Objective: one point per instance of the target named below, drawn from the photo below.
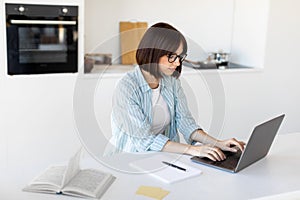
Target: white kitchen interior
(38, 119)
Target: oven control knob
(21, 9)
(65, 10)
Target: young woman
(150, 107)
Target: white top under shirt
(160, 112)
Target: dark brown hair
(159, 40)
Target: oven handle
(50, 22)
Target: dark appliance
(41, 39)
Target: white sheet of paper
(154, 167)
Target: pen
(175, 166)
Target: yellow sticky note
(153, 192)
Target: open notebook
(165, 168)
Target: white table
(277, 173)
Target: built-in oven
(41, 39)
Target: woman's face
(168, 68)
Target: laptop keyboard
(230, 162)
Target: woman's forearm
(198, 135)
(203, 137)
(175, 147)
(180, 148)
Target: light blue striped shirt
(131, 116)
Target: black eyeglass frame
(181, 57)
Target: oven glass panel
(42, 45)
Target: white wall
(235, 26)
(249, 32)
(254, 97)
(206, 24)
(36, 118)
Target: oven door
(42, 46)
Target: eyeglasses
(173, 56)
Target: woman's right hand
(212, 152)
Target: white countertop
(277, 173)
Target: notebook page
(154, 166)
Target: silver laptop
(256, 148)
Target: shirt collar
(141, 80)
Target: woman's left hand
(228, 145)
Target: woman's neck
(150, 79)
